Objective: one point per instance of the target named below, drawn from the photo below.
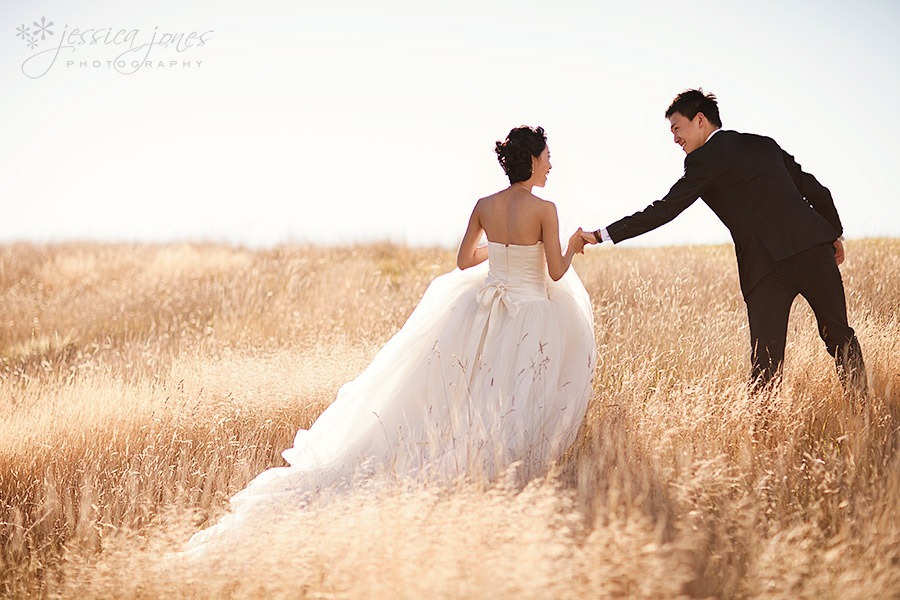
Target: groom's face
(687, 132)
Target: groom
(786, 231)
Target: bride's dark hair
(516, 151)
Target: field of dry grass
(141, 386)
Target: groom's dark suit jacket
(772, 208)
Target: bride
(492, 367)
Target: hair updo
(516, 151)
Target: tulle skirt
(481, 376)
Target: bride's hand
(576, 242)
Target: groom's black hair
(690, 102)
(516, 151)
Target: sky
(262, 122)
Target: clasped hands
(580, 238)
(576, 241)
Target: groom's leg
(768, 309)
(821, 284)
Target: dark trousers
(814, 275)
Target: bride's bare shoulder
(546, 205)
(489, 198)
(488, 201)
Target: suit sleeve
(816, 194)
(697, 174)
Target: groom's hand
(838, 251)
(589, 237)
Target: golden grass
(141, 386)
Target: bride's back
(513, 216)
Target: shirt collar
(714, 132)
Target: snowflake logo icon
(33, 36)
(42, 28)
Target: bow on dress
(494, 293)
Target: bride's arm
(557, 262)
(470, 253)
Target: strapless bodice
(521, 270)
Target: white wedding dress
(493, 367)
